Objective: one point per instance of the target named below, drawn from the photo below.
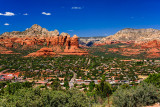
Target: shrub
(29, 97)
(103, 89)
(77, 98)
(142, 95)
(153, 79)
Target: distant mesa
(38, 36)
(150, 48)
(129, 35)
(143, 41)
(89, 41)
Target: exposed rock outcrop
(149, 44)
(129, 35)
(74, 47)
(34, 31)
(42, 52)
(150, 49)
(145, 41)
(36, 35)
(6, 51)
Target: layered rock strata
(129, 35)
(36, 35)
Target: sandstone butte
(60, 44)
(142, 40)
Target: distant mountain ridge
(33, 31)
(89, 41)
(136, 35)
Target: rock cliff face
(36, 35)
(132, 35)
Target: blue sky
(81, 17)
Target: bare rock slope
(136, 35)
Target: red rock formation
(126, 51)
(54, 40)
(42, 52)
(74, 42)
(153, 53)
(152, 49)
(62, 38)
(57, 49)
(19, 40)
(113, 50)
(67, 43)
(8, 44)
(99, 44)
(6, 51)
(72, 47)
(83, 46)
(150, 44)
(35, 36)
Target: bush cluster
(29, 97)
(142, 95)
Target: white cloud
(7, 14)
(6, 24)
(25, 14)
(44, 13)
(77, 8)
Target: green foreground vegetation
(24, 95)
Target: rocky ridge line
(132, 35)
(36, 35)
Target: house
(61, 79)
(9, 76)
(41, 83)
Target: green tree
(29, 97)
(66, 83)
(153, 79)
(56, 85)
(77, 98)
(142, 95)
(91, 86)
(124, 86)
(2, 84)
(104, 88)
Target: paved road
(71, 82)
